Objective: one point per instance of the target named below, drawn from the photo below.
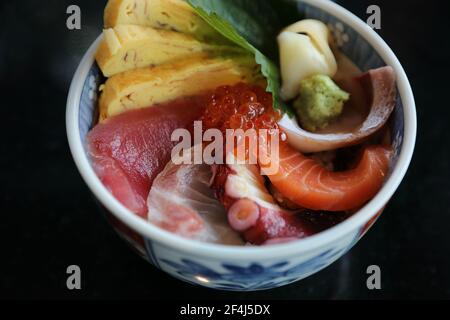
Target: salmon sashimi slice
(129, 150)
(305, 182)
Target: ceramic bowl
(252, 268)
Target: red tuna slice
(129, 150)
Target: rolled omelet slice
(146, 87)
(175, 15)
(127, 47)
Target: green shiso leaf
(231, 20)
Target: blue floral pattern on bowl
(249, 276)
(264, 274)
(253, 276)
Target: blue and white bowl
(252, 268)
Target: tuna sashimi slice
(129, 150)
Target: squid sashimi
(129, 150)
(181, 201)
(308, 184)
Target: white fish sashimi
(181, 201)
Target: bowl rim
(239, 253)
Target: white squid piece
(304, 52)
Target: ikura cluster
(240, 107)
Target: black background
(48, 219)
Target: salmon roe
(241, 106)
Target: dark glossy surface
(49, 219)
